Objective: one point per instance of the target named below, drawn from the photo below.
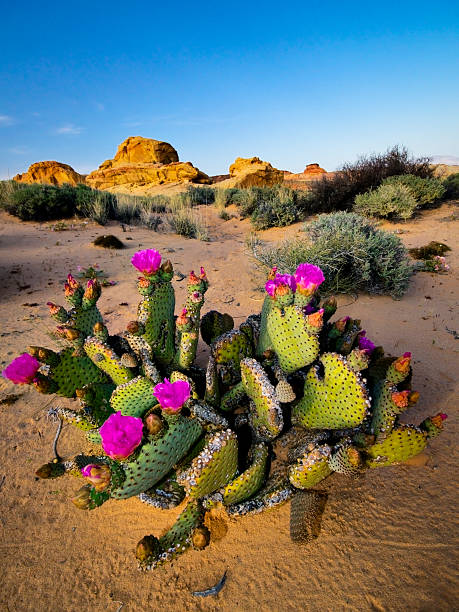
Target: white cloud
(69, 128)
(6, 120)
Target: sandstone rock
(139, 150)
(51, 173)
(312, 172)
(314, 169)
(251, 172)
(133, 177)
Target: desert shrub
(275, 206)
(201, 195)
(41, 202)
(425, 190)
(224, 197)
(390, 200)
(185, 223)
(451, 184)
(338, 192)
(353, 254)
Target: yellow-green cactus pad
(248, 483)
(134, 398)
(275, 493)
(158, 457)
(72, 373)
(311, 468)
(264, 341)
(346, 460)
(231, 347)
(266, 415)
(214, 467)
(295, 347)
(156, 313)
(402, 443)
(107, 360)
(337, 401)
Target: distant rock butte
(314, 169)
(311, 172)
(51, 173)
(140, 164)
(251, 172)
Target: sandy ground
(388, 541)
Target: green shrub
(337, 192)
(353, 254)
(390, 200)
(425, 190)
(185, 223)
(451, 184)
(201, 195)
(41, 202)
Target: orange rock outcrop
(251, 172)
(141, 164)
(50, 173)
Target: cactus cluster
(175, 435)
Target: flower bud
(167, 267)
(93, 290)
(97, 475)
(82, 498)
(148, 546)
(133, 327)
(200, 537)
(316, 319)
(153, 423)
(402, 364)
(400, 398)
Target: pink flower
(121, 435)
(280, 282)
(98, 475)
(172, 396)
(308, 278)
(22, 370)
(365, 344)
(147, 261)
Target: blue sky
(293, 83)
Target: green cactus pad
(72, 373)
(214, 324)
(233, 397)
(275, 493)
(346, 460)
(134, 398)
(157, 458)
(214, 467)
(311, 468)
(84, 320)
(107, 360)
(266, 415)
(295, 347)
(306, 512)
(231, 347)
(264, 341)
(156, 313)
(402, 443)
(95, 400)
(337, 401)
(178, 538)
(385, 411)
(248, 483)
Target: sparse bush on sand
(337, 192)
(185, 222)
(353, 254)
(391, 200)
(426, 191)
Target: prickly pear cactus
(287, 399)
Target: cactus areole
(173, 433)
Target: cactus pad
(73, 372)
(134, 398)
(107, 360)
(337, 401)
(402, 443)
(248, 483)
(306, 512)
(214, 467)
(266, 415)
(295, 347)
(310, 468)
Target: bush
(425, 190)
(390, 200)
(353, 254)
(338, 191)
(185, 223)
(201, 195)
(451, 184)
(41, 202)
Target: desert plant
(389, 200)
(201, 195)
(41, 202)
(425, 190)
(451, 184)
(275, 206)
(186, 223)
(338, 192)
(353, 254)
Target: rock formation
(51, 173)
(251, 172)
(141, 164)
(314, 170)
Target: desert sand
(388, 542)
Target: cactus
(287, 399)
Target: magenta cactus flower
(280, 284)
(147, 261)
(365, 344)
(172, 396)
(121, 435)
(98, 475)
(308, 278)
(22, 370)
